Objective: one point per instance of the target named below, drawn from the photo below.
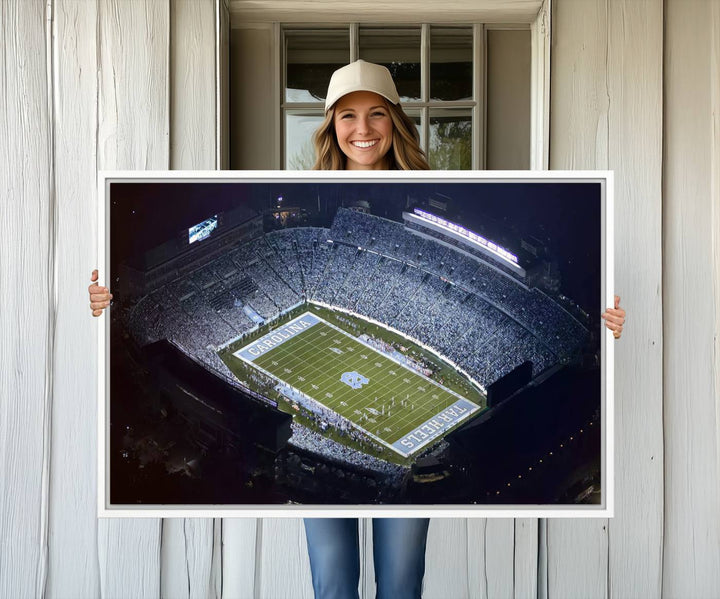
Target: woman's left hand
(615, 318)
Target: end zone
(277, 337)
(434, 427)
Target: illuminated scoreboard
(202, 230)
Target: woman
(365, 129)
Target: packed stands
(478, 317)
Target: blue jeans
(398, 551)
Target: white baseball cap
(361, 76)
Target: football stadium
(378, 337)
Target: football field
(313, 360)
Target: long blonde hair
(405, 154)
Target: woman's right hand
(99, 296)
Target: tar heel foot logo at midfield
(354, 379)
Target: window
(467, 87)
(436, 69)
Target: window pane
(311, 58)
(414, 114)
(451, 55)
(399, 51)
(450, 139)
(299, 150)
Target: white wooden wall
(119, 84)
(691, 288)
(606, 113)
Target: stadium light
(470, 236)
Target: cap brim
(331, 101)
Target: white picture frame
(603, 509)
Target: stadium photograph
(308, 341)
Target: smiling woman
(365, 127)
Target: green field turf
(307, 363)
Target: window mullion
(479, 128)
(480, 89)
(354, 41)
(303, 105)
(281, 64)
(425, 85)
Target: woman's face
(364, 130)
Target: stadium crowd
(478, 317)
(475, 315)
(314, 442)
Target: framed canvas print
(336, 343)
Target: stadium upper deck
(477, 316)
